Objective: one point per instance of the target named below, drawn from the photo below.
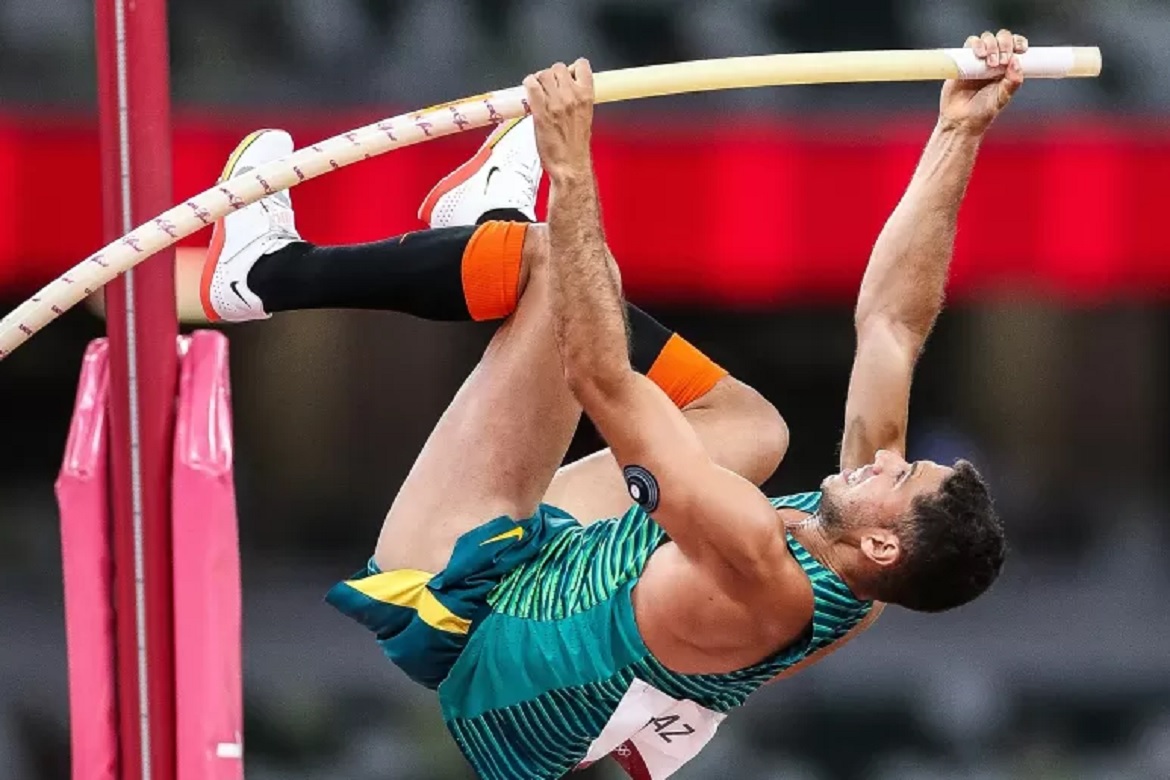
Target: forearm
(588, 313)
(907, 272)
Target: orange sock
(683, 372)
(491, 269)
(491, 289)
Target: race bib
(651, 734)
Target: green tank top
(535, 691)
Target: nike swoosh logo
(239, 294)
(511, 533)
(491, 173)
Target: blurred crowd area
(1061, 673)
(358, 51)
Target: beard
(832, 514)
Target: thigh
(740, 430)
(495, 449)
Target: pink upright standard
(208, 695)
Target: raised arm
(721, 522)
(902, 290)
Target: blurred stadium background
(742, 219)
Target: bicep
(877, 409)
(719, 520)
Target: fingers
(548, 81)
(545, 97)
(563, 86)
(1006, 45)
(562, 80)
(1010, 82)
(536, 95)
(554, 81)
(977, 102)
(561, 100)
(583, 75)
(990, 49)
(997, 49)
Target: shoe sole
(464, 172)
(218, 233)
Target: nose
(887, 459)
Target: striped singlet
(557, 676)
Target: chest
(693, 628)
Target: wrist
(572, 173)
(960, 129)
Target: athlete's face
(870, 501)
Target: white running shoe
(504, 174)
(244, 236)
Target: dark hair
(953, 546)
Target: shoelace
(531, 174)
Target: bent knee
(770, 434)
(761, 431)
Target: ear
(881, 546)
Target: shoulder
(804, 502)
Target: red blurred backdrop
(743, 215)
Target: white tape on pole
(1049, 63)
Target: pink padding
(88, 568)
(209, 697)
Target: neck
(810, 532)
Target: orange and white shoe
(504, 174)
(244, 236)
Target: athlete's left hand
(974, 104)
(561, 100)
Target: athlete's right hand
(561, 101)
(974, 104)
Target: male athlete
(553, 638)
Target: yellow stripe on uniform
(408, 588)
